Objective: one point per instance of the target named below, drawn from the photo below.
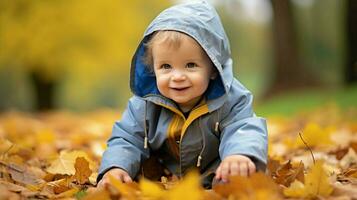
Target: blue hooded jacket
(223, 124)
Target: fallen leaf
(7, 194)
(68, 193)
(272, 166)
(339, 153)
(314, 135)
(296, 189)
(352, 172)
(60, 186)
(150, 189)
(350, 191)
(97, 194)
(5, 146)
(13, 187)
(126, 190)
(316, 184)
(349, 159)
(23, 175)
(257, 186)
(82, 170)
(65, 162)
(189, 188)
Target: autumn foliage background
(64, 80)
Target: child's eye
(165, 66)
(191, 65)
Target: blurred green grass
(296, 102)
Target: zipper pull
(199, 161)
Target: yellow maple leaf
(82, 170)
(314, 135)
(189, 188)
(65, 162)
(150, 189)
(316, 184)
(296, 189)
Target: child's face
(182, 73)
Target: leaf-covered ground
(57, 154)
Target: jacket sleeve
(243, 132)
(125, 147)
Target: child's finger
(127, 179)
(251, 168)
(234, 169)
(218, 173)
(103, 183)
(100, 184)
(243, 169)
(225, 171)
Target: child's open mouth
(180, 89)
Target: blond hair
(173, 39)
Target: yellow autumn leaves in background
(56, 37)
(82, 48)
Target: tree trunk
(44, 91)
(289, 73)
(351, 64)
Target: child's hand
(235, 165)
(117, 173)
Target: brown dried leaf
(287, 173)
(339, 153)
(258, 186)
(82, 170)
(353, 145)
(349, 159)
(273, 166)
(13, 187)
(22, 174)
(60, 186)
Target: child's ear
(214, 75)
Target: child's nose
(178, 76)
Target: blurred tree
(50, 38)
(289, 72)
(351, 65)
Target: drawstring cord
(145, 131)
(216, 129)
(204, 144)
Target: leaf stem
(312, 154)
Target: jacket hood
(200, 21)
